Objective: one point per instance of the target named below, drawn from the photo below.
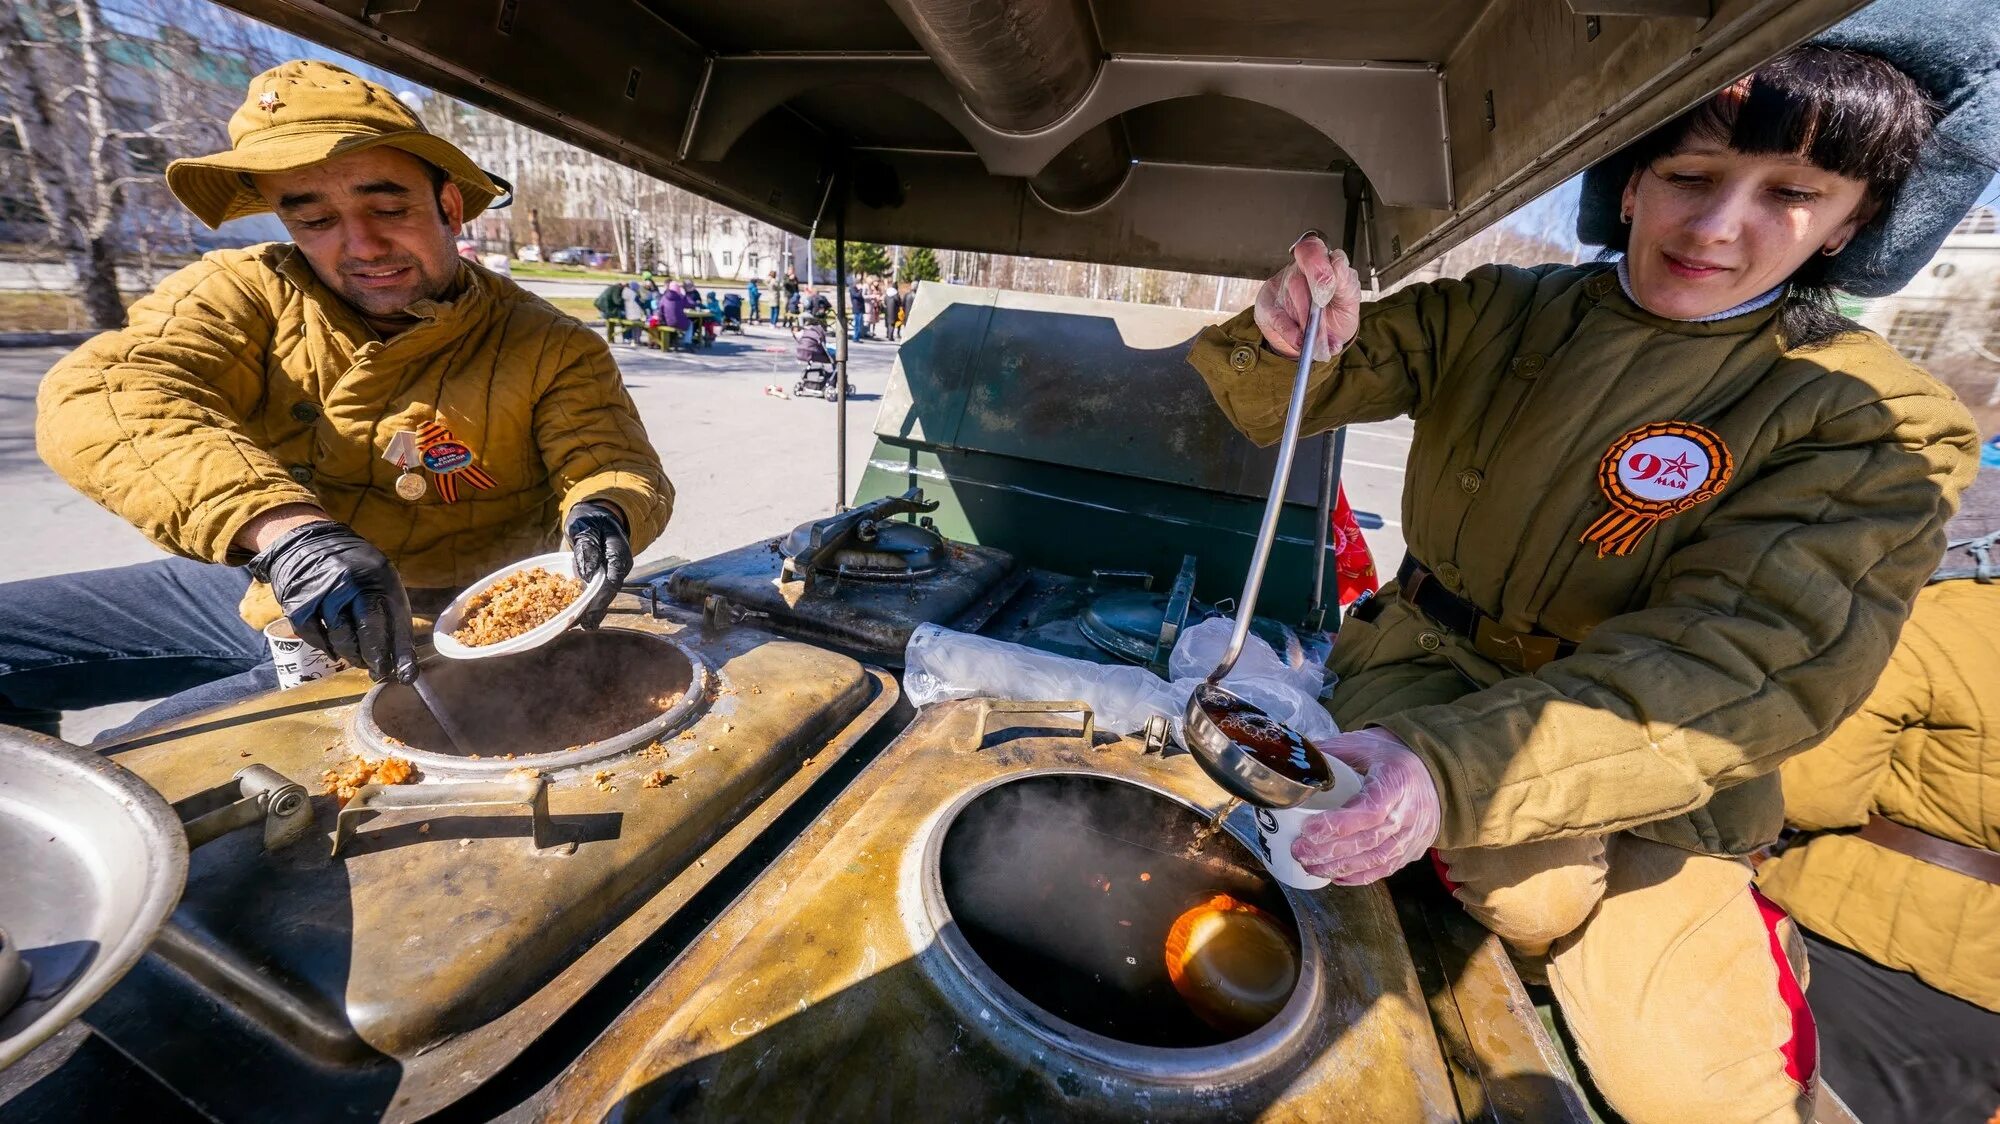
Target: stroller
(810, 349)
(732, 313)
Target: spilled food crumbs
(686, 735)
(342, 781)
(602, 779)
(653, 749)
(524, 773)
(658, 778)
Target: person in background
(1895, 875)
(791, 287)
(817, 304)
(874, 304)
(674, 305)
(713, 324)
(610, 302)
(857, 308)
(635, 312)
(777, 296)
(753, 293)
(892, 307)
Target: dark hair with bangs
(1853, 114)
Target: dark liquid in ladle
(1271, 742)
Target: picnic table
(699, 317)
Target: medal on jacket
(1652, 473)
(403, 453)
(450, 461)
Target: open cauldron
(1054, 894)
(581, 698)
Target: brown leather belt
(1519, 651)
(1973, 862)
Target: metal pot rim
(932, 928)
(164, 879)
(364, 732)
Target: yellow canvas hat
(301, 113)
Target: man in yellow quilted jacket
(330, 430)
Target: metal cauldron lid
(94, 864)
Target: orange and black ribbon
(449, 459)
(1619, 530)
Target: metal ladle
(1228, 762)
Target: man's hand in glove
(596, 534)
(343, 597)
(1390, 822)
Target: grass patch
(45, 312)
(579, 307)
(546, 272)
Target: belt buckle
(1522, 651)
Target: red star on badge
(1679, 467)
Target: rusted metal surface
(868, 616)
(435, 950)
(820, 996)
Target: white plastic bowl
(448, 622)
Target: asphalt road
(744, 465)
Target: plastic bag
(1286, 687)
(941, 664)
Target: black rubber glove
(343, 597)
(597, 541)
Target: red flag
(1354, 567)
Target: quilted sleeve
(1406, 341)
(593, 443)
(148, 420)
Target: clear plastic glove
(1285, 302)
(1391, 822)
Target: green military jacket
(1733, 634)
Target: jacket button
(1600, 286)
(1470, 481)
(1526, 366)
(1243, 358)
(305, 412)
(300, 473)
(1447, 573)
(1429, 641)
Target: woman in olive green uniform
(1665, 519)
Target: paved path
(744, 464)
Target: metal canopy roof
(1177, 134)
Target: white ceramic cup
(297, 661)
(1277, 827)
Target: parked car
(577, 255)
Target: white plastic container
(448, 622)
(1277, 827)
(296, 661)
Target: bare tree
(58, 99)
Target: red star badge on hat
(268, 101)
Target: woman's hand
(1390, 822)
(1285, 301)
